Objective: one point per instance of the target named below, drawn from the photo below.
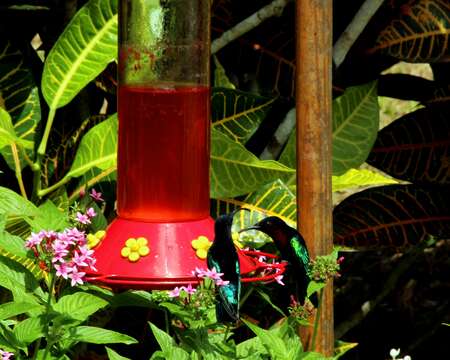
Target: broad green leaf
(29, 330)
(238, 114)
(79, 306)
(86, 46)
(392, 216)
(355, 125)
(96, 335)
(313, 356)
(12, 244)
(15, 308)
(49, 217)
(313, 287)
(251, 349)
(112, 355)
(19, 95)
(8, 339)
(420, 33)
(164, 340)
(415, 147)
(273, 344)
(17, 279)
(220, 76)
(12, 203)
(139, 298)
(97, 149)
(7, 134)
(235, 171)
(359, 177)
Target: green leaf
(86, 46)
(14, 245)
(12, 203)
(359, 177)
(96, 335)
(236, 171)
(49, 217)
(97, 148)
(79, 306)
(29, 330)
(164, 340)
(14, 308)
(220, 76)
(314, 287)
(19, 96)
(112, 355)
(7, 134)
(393, 216)
(355, 125)
(251, 349)
(415, 147)
(238, 114)
(420, 34)
(16, 278)
(341, 347)
(273, 344)
(312, 356)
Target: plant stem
(40, 154)
(18, 169)
(166, 320)
(227, 331)
(246, 295)
(47, 310)
(275, 8)
(316, 321)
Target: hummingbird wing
(227, 308)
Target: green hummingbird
(223, 257)
(293, 249)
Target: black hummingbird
(222, 256)
(293, 249)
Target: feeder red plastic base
(171, 259)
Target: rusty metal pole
(313, 103)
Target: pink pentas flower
(63, 270)
(6, 355)
(213, 274)
(76, 277)
(198, 272)
(33, 240)
(91, 263)
(75, 236)
(175, 292)
(91, 213)
(189, 289)
(83, 218)
(279, 279)
(78, 259)
(97, 196)
(221, 282)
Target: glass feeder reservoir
(163, 228)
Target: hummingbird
(222, 256)
(293, 249)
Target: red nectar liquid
(163, 155)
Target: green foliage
(83, 50)
(354, 178)
(112, 355)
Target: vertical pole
(313, 103)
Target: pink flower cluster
(66, 252)
(85, 218)
(5, 355)
(176, 292)
(211, 274)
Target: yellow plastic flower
(94, 239)
(135, 248)
(201, 246)
(235, 237)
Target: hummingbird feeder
(163, 228)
